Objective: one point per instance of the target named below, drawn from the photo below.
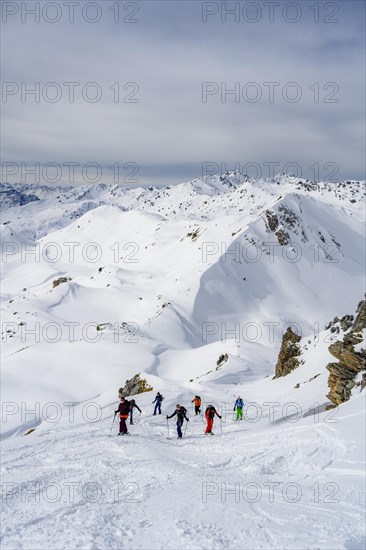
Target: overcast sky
(169, 52)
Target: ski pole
(114, 418)
(167, 425)
(185, 429)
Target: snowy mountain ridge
(181, 260)
(203, 198)
(193, 287)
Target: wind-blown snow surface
(163, 282)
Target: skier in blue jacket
(238, 408)
(158, 399)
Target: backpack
(124, 409)
(240, 403)
(210, 411)
(183, 410)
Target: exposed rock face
(289, 353)
(338, 324)
(222, 359)
(194, 234)
(272, 223)
(271, 220)
(134, 386)
(360, 322)
(282, 237)
(344, 351)
(57, 282)
(346, 322)
(351, 362)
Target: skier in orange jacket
(197, 404)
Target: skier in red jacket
(124, 411)
(210, 415)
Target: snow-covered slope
(101, 282)
(288, 476)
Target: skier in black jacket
(124, 411)
(181, 416)
(133, 405)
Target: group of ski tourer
(126, 409)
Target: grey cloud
(169, 54)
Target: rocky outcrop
(360, 321)
(271, 220)
(342, 377)
(289, 353)
(59, 281)
(134, 386)
(194, 234)
(282, 237)
(338, 324)
(272, 224)
(222, 359)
